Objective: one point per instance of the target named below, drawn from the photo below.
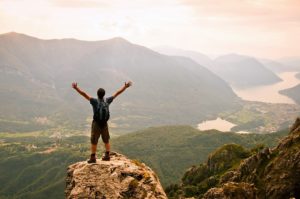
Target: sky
(261, 28)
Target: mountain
(233, 172)
(292, 62)
(282, 65)
(242, 71)
(238, 70)
(197, 180)
(170, 150)
(29, 173)
(200, 58)
(36, 77)
(119, 178)
(37, 164)
(293, 93)
(276, 66)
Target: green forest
(37, 163)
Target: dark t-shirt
(94, 102)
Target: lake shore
(270, 93)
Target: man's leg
(93, 153)
(107, 150)
(93, 148)
(107, 146)
(105, 138)
(95, 134)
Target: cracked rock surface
(118, 178)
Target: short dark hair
(100, 93)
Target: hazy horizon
(267, 29)
(210, 55)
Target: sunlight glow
(267, 28)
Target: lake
(218, 124)
(270, 93)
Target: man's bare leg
(93, 153)
(107, 150)
(93, 148)
(107, 146)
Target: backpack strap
(99, 108)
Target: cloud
(79, 3)
(257, 27)
(252, 12)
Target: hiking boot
(92, 159)
(106, 157)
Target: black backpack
(101, 115)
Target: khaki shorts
(97, 131)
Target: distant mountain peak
(21, 35)
(232, 57)
(11, 33)
(118, 40)
(14, 35)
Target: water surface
(270, 93)
(218, 124)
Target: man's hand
(74, 85)
(128, 84)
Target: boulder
(115, 179)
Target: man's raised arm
(126, 85)
(75, 86)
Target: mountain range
(293, 93)
(276, 66)
(232, 171)
(170, 150)
(37, 74)
(240, 71)
(34, 166)
(293, 63)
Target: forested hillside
(36, 164)
(36, 77)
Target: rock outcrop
(199, 179)
(115, 179)
(274, 172)
(264, 173)
(232, 190)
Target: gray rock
(115, 179)
(232, 190)
(275, 172)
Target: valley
(45, 125)
(259, 117)
(194, 82)
(271, 93)
(47, 68)
(168, 150)
(177, 99)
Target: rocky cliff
(115, 179)
(274, 172)
(231, 173)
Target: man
(99, 126)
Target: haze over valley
(207, 106)
(166, 87)
(196, 86)
(254, 80)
